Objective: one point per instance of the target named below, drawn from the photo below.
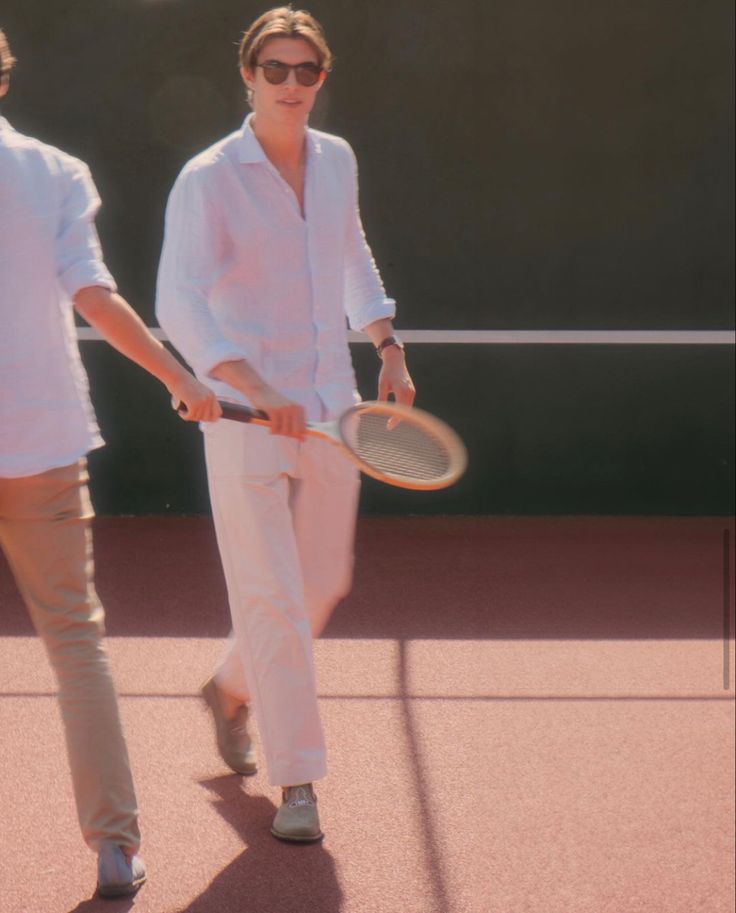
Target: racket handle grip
(237, 412)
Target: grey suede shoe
(118, 874)
(297, 821)
(233, 742)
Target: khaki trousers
(45, 534)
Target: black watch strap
(388, 341)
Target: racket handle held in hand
(236, 412)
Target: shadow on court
(303, 878)
(108, 905)
(463, 577)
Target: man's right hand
(193, 401)
(286, 416)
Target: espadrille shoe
(118, 872)
(297, 820)
(233, 741)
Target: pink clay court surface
(524, 715)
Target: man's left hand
(395, 378)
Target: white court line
(372, 668)
(527, 337)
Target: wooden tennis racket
(399, 445)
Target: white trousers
(284, 515)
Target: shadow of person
(268, 876)
(105, 905)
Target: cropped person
(50, 261)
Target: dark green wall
(526, 165)
(551, 430)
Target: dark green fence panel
(525, 165)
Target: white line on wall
(527, 337)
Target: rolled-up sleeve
(365, 296)
(79, 260)
(191, 259)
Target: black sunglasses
(277, 72)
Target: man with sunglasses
(264, 257)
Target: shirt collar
(250, 150)
(4, 124)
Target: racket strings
(401, 450)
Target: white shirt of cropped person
(244, 276)
(49, 250)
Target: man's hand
(192, 400)
(119, 324)
(394, 377)
(287, 417)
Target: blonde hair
(7, 61)
(284, 22)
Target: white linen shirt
(244, 276)
(49, 250)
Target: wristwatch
(388, 341)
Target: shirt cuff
(84, 275)
(216, 355)
(378, 309)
